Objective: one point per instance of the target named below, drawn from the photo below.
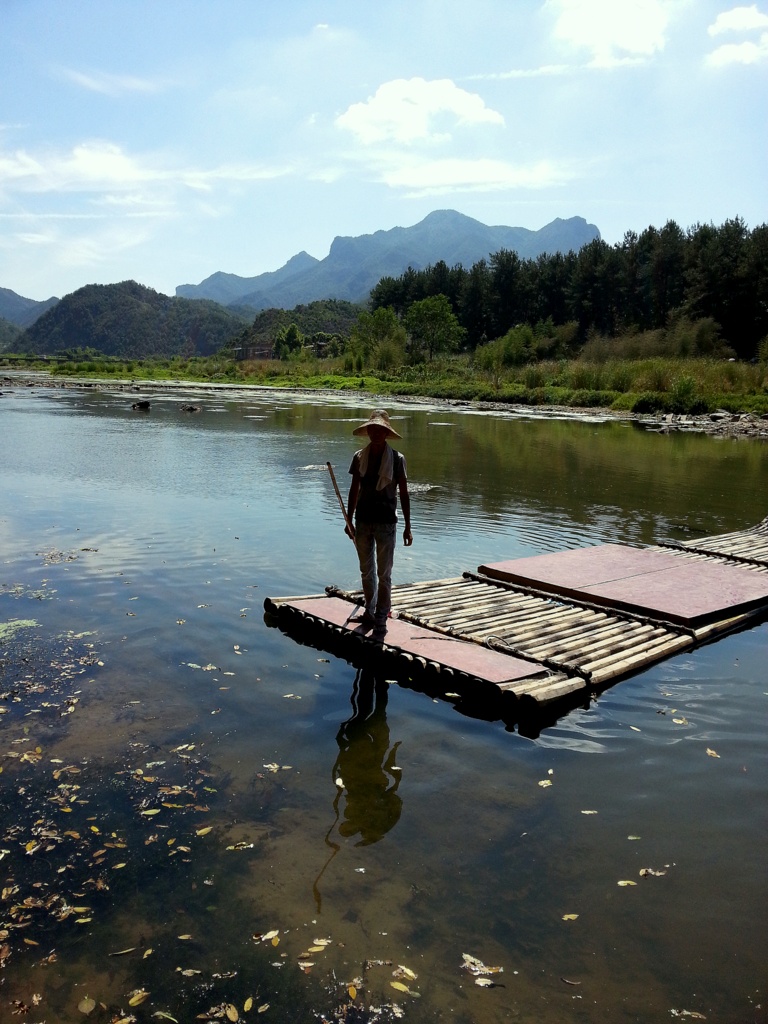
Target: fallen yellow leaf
(570, 917)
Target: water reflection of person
(366, 765)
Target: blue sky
(162, 140)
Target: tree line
(706, 273)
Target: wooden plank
(640, 579)
(419, 641)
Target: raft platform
(520, 636)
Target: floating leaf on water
(352, 992)
(406, 972)
(484, 982)
(147, 814)
(86, 1005)
(634, 837)
(122, 952)
(275, 941)
(545, 782)
(137, 997)
(116, 867)
(568, 981)
(650, 871)
(475, 966)
(400, 987)
(164, 1016)
(589, 812)
(263, 1008)
(634, 728)
(79, 920)
(231, 1012)
(680, 721)
(184, 937)
(321, 942)
(247, 1004)
(712, 753)
(148, 952)
(570, 917)
(626, 881)
(204, 831)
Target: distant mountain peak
(355, 264)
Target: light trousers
(376, 544)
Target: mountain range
(355, 265)
(20, 311)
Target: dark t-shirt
(378, 506)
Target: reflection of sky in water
(195, 520)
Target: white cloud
(111, 84)
(439, 177)
(739, 53)
(739, 19)
(415, 110)
(611, 29)
(100, 166)
(546, 70)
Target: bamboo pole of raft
(539, 626)
(445, 605)
(587, 640)
(559, 618)
(491, 612)
(448, 597)
(427, 584)
(608, 647)
(549, 689)
(521, 606)
(608, 668)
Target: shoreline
(722, 424)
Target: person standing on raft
(378, 476)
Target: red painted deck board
(654, 583)
(419, 641)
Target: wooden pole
(342, 506)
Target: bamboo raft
(551, 629)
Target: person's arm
(405, 505)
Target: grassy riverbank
(652, 385)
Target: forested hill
(324, 317)
(131, 321)
(705, 273)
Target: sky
(164, 140)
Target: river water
(179, 780)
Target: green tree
(289, 342)
(373, 330)
(432, 327)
